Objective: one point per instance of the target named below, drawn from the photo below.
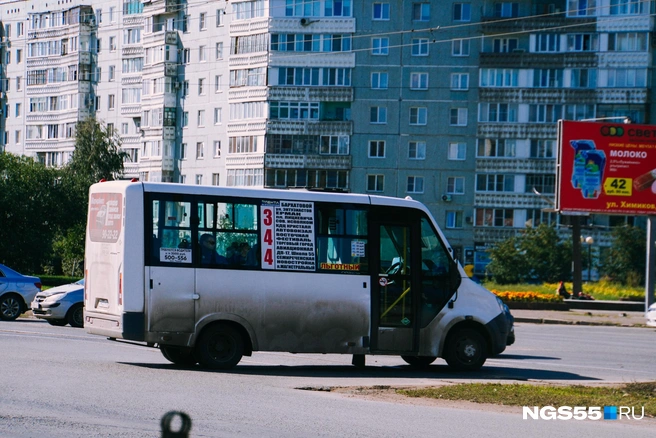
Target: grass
(632, 394)
(600, 290)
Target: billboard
(606, 168)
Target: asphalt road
(61, 382)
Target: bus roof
(258, 193)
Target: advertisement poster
(607, 168)
(105, 216)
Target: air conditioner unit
(468, 219)
(446, 198)
(306, 21)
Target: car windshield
(80, 282)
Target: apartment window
(627, 42)
(626, 7)
(420, 47)
(418, 81)
(504, 45)
(455, 185)
(8, 57)
(378, 115)
(380, 46)
(421, 11)
(582, 42)
(199, 179)
(547, 77)
(19, 29)
(495, 183)
(19, 110)
(580, 8)
(218, 80)
(186, 56)
(185, 119)
(417, 150)
(583, 78)
(499, 77)
(125, 129)
(201, 118)
(462, 12)
(458, 117)
(415, 184)
(541, 183)
(626, 77)
(202, 21)
(219, 21)
(112, 14)
(418, 116)
(202, 54)
(544, 113)
(98, 45)
(535, 217)
(375, 183)
(460, 47)
(217, 116)
(200, 150)
(494, 217)
(201, 86)
(112, 73)
(98, 16)
(497, 112)
(457, 151)
(183, 151)
(17, 137)
(217, 148)
(460, 81)
(496, 148)
(183, 179)
(111, 102)
(376, 149)
(507, 10)
(379, 80)
(19, 83)
(579, 111)
(215, 179)
(112, 44)
(219, 51)
(454, 219)
(543, 148)
(381, 11)
(334, 145)
(547, 42)
(19, 56)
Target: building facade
(452, 103)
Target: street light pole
(589, 240)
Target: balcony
(510, 200)
(304, 127)
(541, 24)
(493, 234)
(538, 95)
(156, 7)
(160, 38)
(311, 94)
(84, 58)
(289, 161)
(538, 60)
(517, 130)
(516, 165)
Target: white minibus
(210, 274)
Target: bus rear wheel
(178, 355)
(466, 350)
(219, 347)
(419, 361)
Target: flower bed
(527, 297)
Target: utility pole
(576, 257)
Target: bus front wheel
(466, 350)
(219, 347)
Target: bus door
(394, 283)
(170, 276)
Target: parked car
(16, 292)
(651, 315)
(61, 305)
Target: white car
(61, 305)
(651, 315)
(16, 292)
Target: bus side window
(342, 240)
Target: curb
(565, 322)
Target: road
(62, 382)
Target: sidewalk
(581, 317)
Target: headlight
(54, 298)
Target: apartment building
(452, 103)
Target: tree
(625, 261)
(538, 254)
(31, 216)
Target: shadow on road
(525, 357)
(400, 371)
